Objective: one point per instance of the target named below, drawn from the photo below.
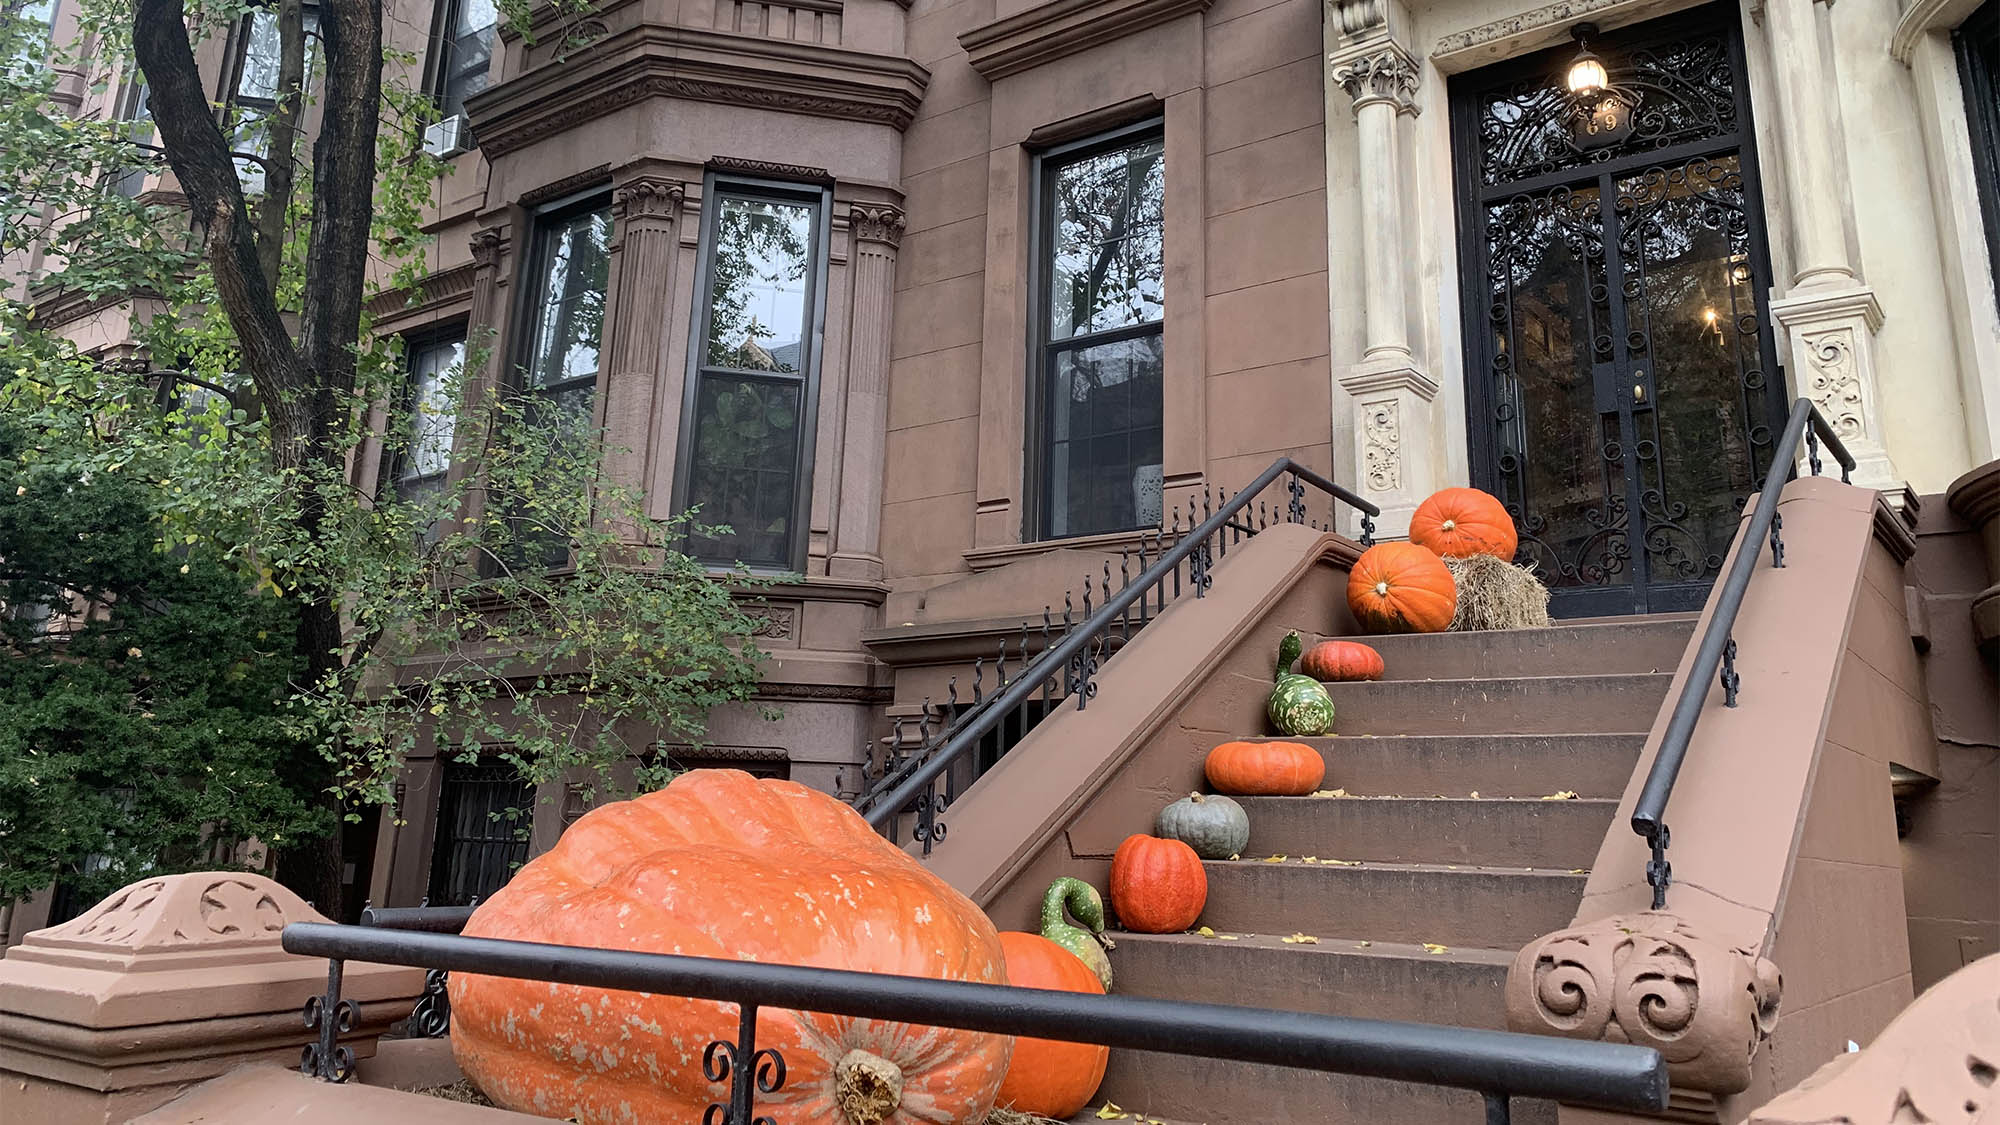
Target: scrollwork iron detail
(431, 1018)
(326, 1058)
(723, 1061)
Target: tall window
(570, 271)
(1978, 41)
(38, 17)
(755, 372)
(260, 54)
(1098, 395)
(137, 113)
(464, 50)
(426, 457)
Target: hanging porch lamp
(1600, 113)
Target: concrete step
(1493, 765)
(1336, 976)
(1633, 644)
(1491, 832)
(1180, 1088)
(1489, 908)
(1505, 705)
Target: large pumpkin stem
(867, 1087)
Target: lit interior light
(1586, 77)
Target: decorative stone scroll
(1383, 445)
(1385, 75)
(1650, 980)
(1937, 1061)
(877, 223)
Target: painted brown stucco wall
(1246, 338)
(1951, 857)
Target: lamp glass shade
(1586, 75)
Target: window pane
(468, 52)
(259, 79)
(1107, 241)
(1104, 437)
(760, 265)
(432, 412)
(569, 310)
(744, 472)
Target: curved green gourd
(1087, 906)
(1299, 705)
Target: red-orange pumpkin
(1456, 522)
(1401, 588)
(1265, 769)
(1157, 886)
(1050, 1077)
(720, 864)
(1341, 660)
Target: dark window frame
(489, 770)
(442, 69)
(415, 342)
(534, 278)
(1038, 506)
(716, 186)
(1977, 43)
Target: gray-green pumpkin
(1299, 704)
(1214, 826)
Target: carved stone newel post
(1389, 392)
(645, 212)
(876, 230)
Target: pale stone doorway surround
(1882, 301)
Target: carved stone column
(1827, 316)
(645, 213)
(1650, 980)
(1389, 392)
(876, 229)
(485, 330)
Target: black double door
(1622, 385)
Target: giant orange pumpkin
(1265, 769)
(1157, 886)
(1401, 588)
(1050, 1077)
(1341, 660)
(720, 864)
(1457, 522)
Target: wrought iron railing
(1716, 655)
(1072, 650)
(431, 1018)
(1498, 1065)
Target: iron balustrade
(1498, 1065)
(431, 1018)
(1073, 655)
(1715, 658)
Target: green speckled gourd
(1087, 905)
(1299, 704)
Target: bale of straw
(1494, 594)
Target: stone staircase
(1418, 887)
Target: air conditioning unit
(449, 137)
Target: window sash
(1979, 75)
(704, 373)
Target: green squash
(1299, 705)
(1214, 826)
(1087, 905)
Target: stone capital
(1382, 73)
(648, 197)
(1371, 377)
(1651, 980)
(876, 222)
(488, 244)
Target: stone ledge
(1049, 32)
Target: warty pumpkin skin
(1050, 1077)
(1340, 661)
(1459, 522)
(1401, 588)
(1265, 769)
(719, 864)
(1157, 886)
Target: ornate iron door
(1621, 376)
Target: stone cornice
(435, 289)
(1922, 17)
(1051, 31)
(654, 60)
(772, 169)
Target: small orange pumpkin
(721, 864)
(1341, 660)
(1157, 886)
(1265, 769)
(1457, 522)
(1401, 588)
(1050, 1077)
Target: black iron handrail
(1716, 655)
(910, 785)
(1498, 1065)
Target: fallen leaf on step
(1274, 859)
(1300, 939)
(1109, 1111)
(1227, 937)
(1343, 862)
(1205, 932)
(1561, 795)
(1433, 947)
(1475, 794)
(1309, 859)
(1330, 793)
(1579, 870)
(1363, 944)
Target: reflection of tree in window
(757, 292)
(257, 88)
(569, 309)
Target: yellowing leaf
(1363, 944)
(1433, 947)
(1561, 795)
(1300, 939)
(1227, 937)
(1475, 794)
(1205, 932)
(1342, 862)
(1579, 870)
(1309, 859)
(1330, 793)
(1274, 859)
(1109, 1111)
